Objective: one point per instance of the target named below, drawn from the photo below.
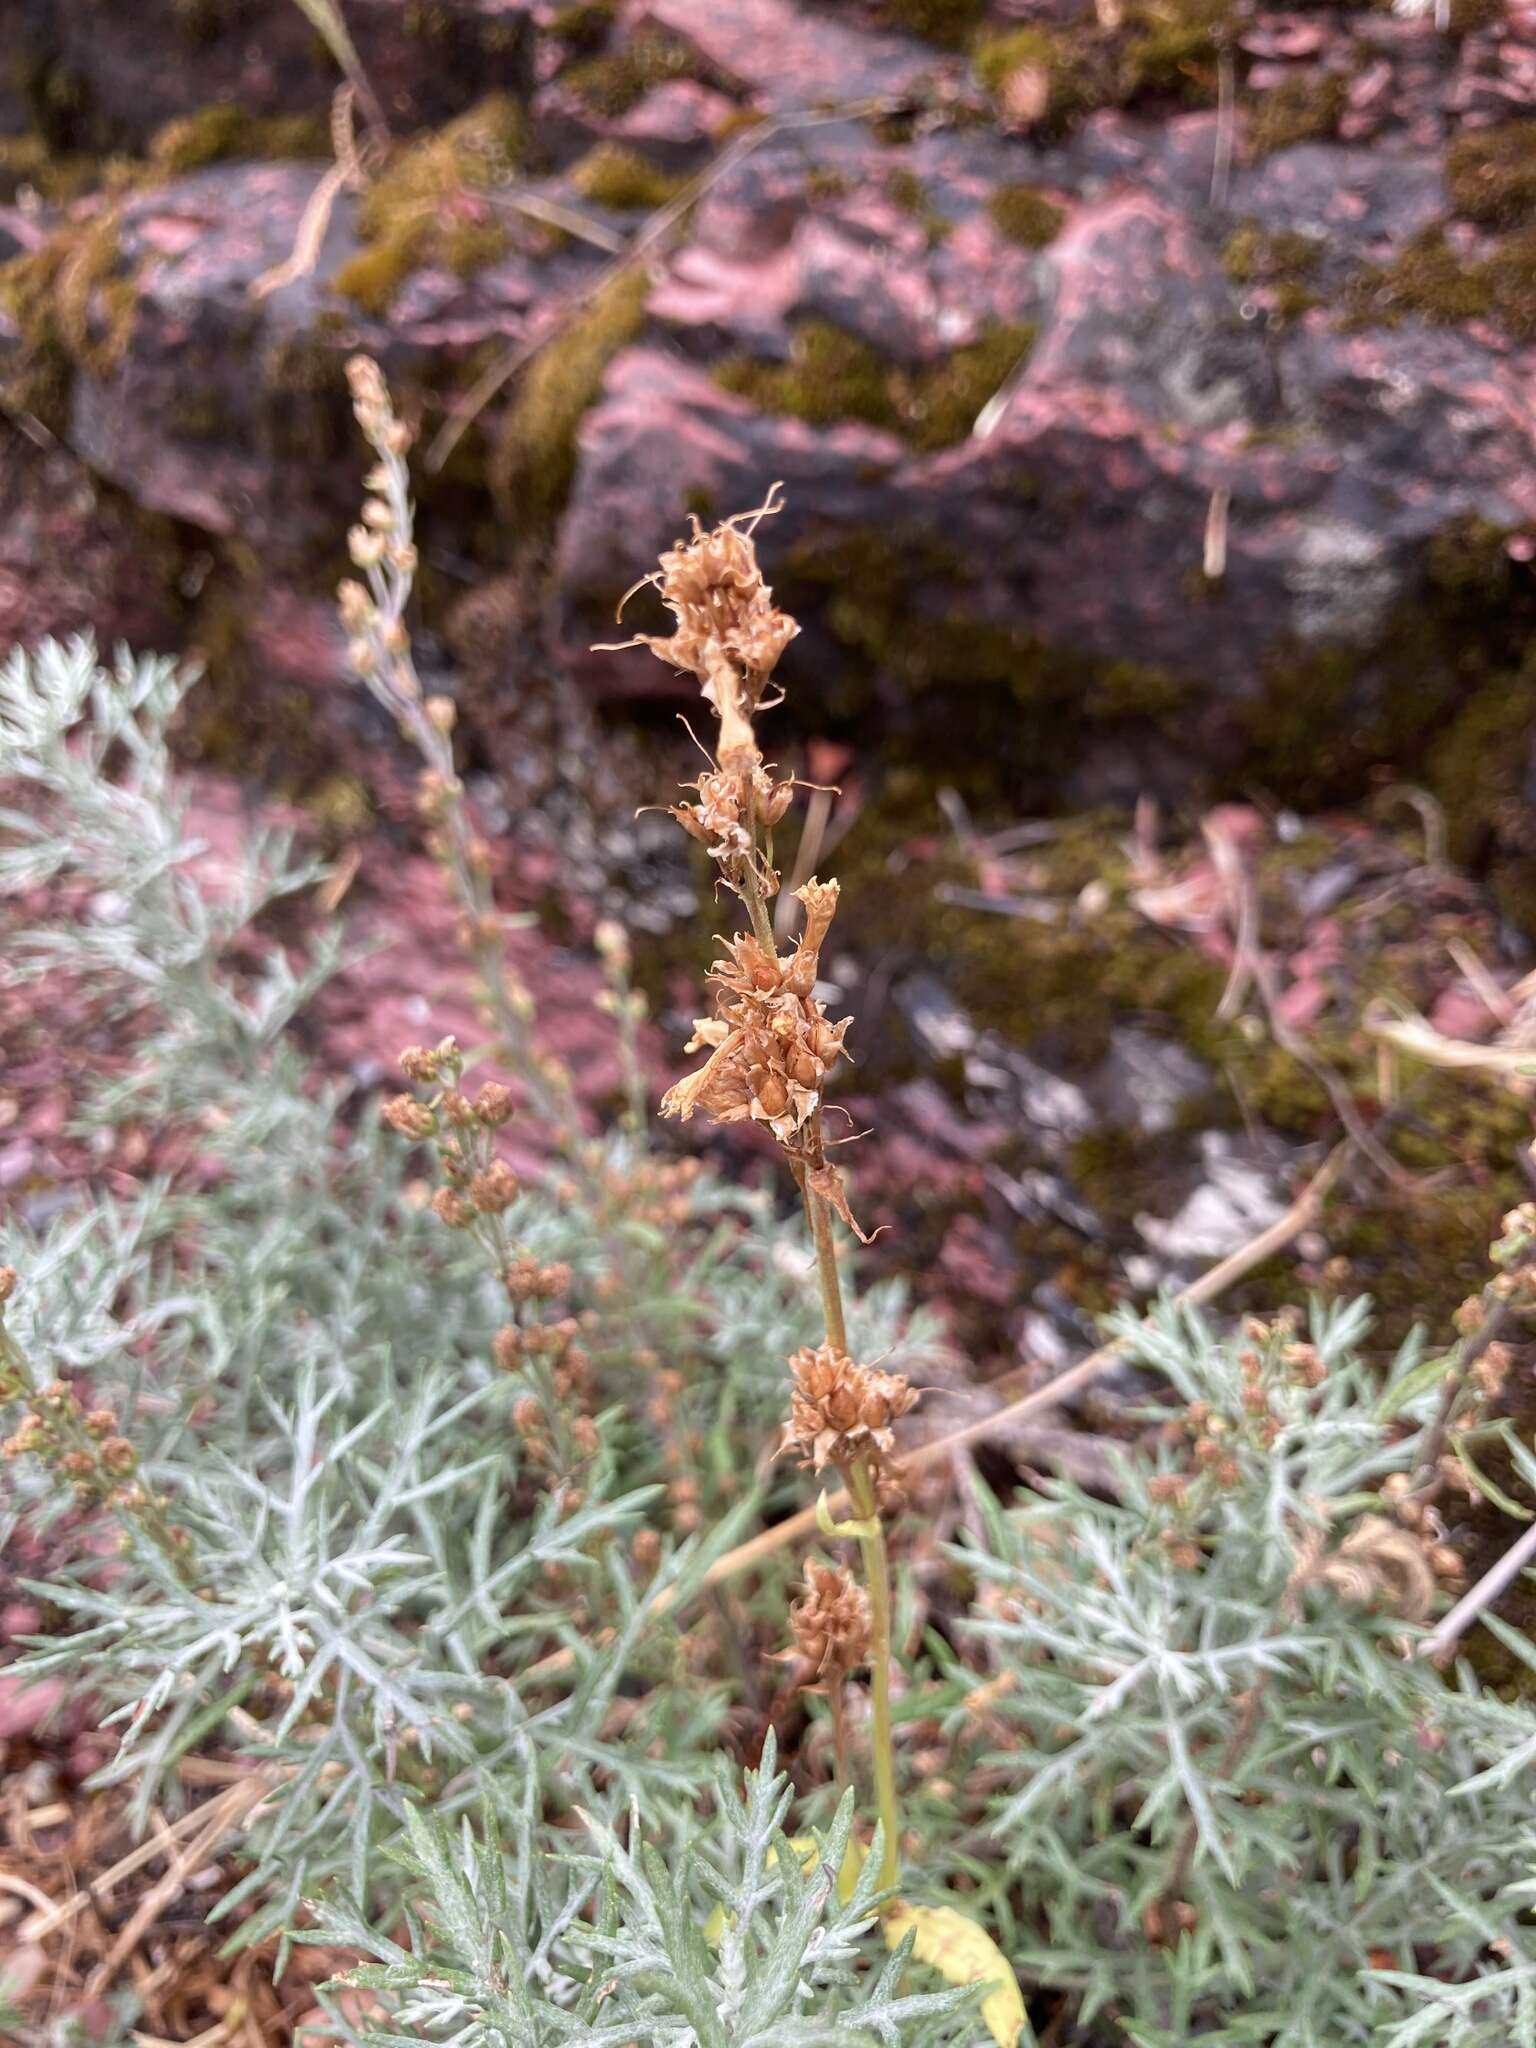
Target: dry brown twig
(1479, 1598)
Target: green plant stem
(861, 1489)
(826, 1263)
(858, 1478)
(757, 908)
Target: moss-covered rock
(979, 700)
(1441, 697)
(833, 376)
(1025, 215)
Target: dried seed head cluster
(730, 802)
(840, 1410)
(655, 1191)
(831, 1625)
(83, 1448)
(771, 1044)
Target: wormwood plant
(383, 1500)
(1224, 1795)
(771, 1048)
(392, 1477)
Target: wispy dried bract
(1376, 1565)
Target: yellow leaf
(964, 1953)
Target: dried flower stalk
(770, 1049)
(373, 611)
(84, 1450)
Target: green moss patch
(611, 175)
(74, 307)
(908, 191)
(26, 162)
(1278, 261)
(429, 204)
(1441, 698)
(1025, 215)
(947, 24)
(1055, 76)
(1307, 108)
(226, 133)
(833, 376)
(1490, 174)
(584, 27)
(613, 82)
(1172, 50)
(1510, 274)
(1427, 279)
(536, 450)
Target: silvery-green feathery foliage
(1227, 1798)
(737, 1937)
(366, 1558)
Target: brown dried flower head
(494, 1188)
(493, 1104)
(729, 632)
(831, 1625)
(840, 1410)
(1376, 1565)
(412, 1119)
(728, 801)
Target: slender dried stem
(1481, 1596)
